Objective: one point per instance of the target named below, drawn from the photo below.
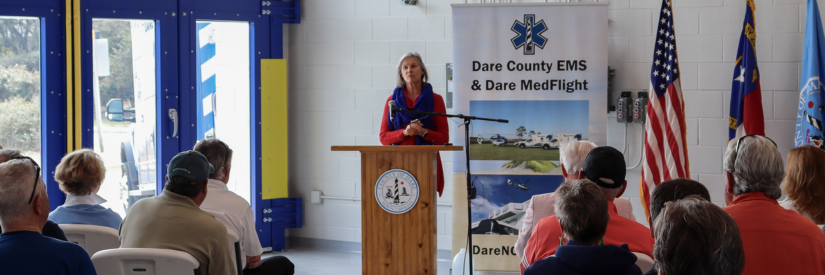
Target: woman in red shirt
(414, 93)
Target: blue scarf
(424, 103)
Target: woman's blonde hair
(804, 181)
(80, 172)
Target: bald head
(17, 179)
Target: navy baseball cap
(191, 165)
(605, 166)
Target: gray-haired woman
(414, 93)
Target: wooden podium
(398, 243)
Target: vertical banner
(544, 68)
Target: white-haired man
(571, 157)
(23, 213)
(235, 213)
(776, 240)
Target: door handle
(173, 115)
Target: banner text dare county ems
(530, 84)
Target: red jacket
(776, 240)
(620, 230)
(437, 136)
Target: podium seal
(396, 191)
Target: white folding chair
(643, 261)
(235, 239)
(92, 238)
(144, 261)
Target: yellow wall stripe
(274, 147)
(78, 126)
(74, 132)
(69, 78)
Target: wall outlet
(315, 197)
(623, 108)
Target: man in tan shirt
(174, 220)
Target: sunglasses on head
(739, 142)
(37, 175)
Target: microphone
(392, 109)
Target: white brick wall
(342, 60)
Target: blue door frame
(52, 83)
(266, 41)
(164, 14)
(175, 76)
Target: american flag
(665, 145)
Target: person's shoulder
(61, 245)
(626, 224)
(622, 201)
(210, 224)
(543, 197)
(438, 98)
(549, 265)
(549, 221)
(226, 197)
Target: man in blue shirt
(24, 209)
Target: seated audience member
(606, 167)
(80, 175)
(24, 208)
(694, 236)
(581, 211)
(672, 190)
(571, 156)
(804, 183)
(235, 212)
(174, 220)
(776, 240)
(51, 229)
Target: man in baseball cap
(604, 166)
(175, 221)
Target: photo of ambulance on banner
(543, 67)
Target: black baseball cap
(191, 165)
(605, 166)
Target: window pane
(124, 95)
(223, 94)
(20, 85)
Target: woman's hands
(415, 128)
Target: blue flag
(809, 117)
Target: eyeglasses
(739, 142)
(37, 175)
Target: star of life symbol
(529, 34)
(396, 191)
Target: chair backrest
(144, 261)
(235, 240)
(92, 238)
(643, 261)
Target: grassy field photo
(492, 152)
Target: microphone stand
(471, 190)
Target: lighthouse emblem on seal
(396, 191)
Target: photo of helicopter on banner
(544, 68)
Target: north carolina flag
(809, 118)
(746, 95)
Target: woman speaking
(414, 93)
